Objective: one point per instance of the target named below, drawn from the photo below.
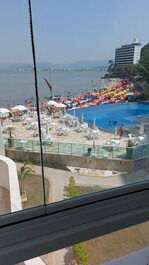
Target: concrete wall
(74, 161)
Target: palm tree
(110, 66)
(10, 131)
(23, 172)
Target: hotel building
(128, 53)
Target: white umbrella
(51, 103)
(4, 112)
(20, 108)
(60, 105)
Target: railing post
(113, 150)
(98, 150)
(71, 148)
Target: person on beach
(121, 131)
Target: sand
(21, 132)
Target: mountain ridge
(82, 64)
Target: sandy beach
(21, 132)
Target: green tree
(80, 251)
(110, 66)
(10, 131)
(143, 65)
(81, 254)
(143, 72)
(73, 191)
(129, 149)
(138, 74)
(24, 172)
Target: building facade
(128, 53)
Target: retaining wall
(72, 160)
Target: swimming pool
(104, 115)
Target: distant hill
(89, 64)
(80, 65)
(75, 65)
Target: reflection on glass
(127, 245)
(118, 244)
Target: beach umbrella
(4, 113)
(19, 108)
(51, 103)
(68, 102)
(60, 105)
(32, 108)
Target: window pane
(17, 115)
(127, 246)
(94, 111)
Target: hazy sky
(71, 30)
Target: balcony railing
(78, 149)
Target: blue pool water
(127, 114)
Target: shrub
(80, 252)
(130, 143)
(73, 191)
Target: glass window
(93, 114)
(74, 118)
(121, 247)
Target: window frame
(37, 231)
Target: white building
(128, 53)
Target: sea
(16, 87)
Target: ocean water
(15, 87)
(127, 114)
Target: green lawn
(33, 187)
(117, 244)
(82, 190)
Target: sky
(70, 30)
